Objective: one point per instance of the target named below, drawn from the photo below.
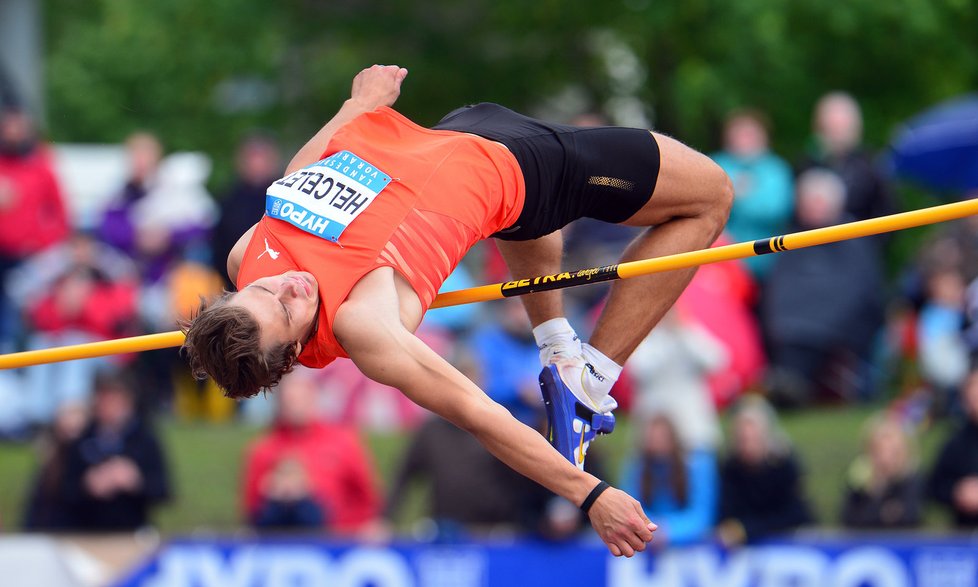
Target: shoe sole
(555, 400)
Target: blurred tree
(202, 73)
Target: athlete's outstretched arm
(373, 87)
(370, 331)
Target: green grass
(206, 461)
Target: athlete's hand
(620, 522)
(377, 86)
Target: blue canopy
(939, 147)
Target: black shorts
(571, 172)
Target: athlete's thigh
(689, 182)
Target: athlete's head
(246, 341)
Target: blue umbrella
(939, 147)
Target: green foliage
(178, 66)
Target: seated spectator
(676, 487)
(115, 472)
(32, 209)
(954, 479)
(761, 491)
(305, 472)
(72, 293)
(763, 192)
(822, 307)
(287, 500)
(47, 509)
(883, 487)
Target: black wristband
(593, 496)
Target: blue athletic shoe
(571, 424)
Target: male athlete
(375, 212)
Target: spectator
(185, 284)
(720, 300)
(72, 293)
(761, 487)
(145, 152)
(287, 500)
(32, 211)
(954, 480)
(469, 490)
(163, 213)
(822, 308)
(466, 486)
(669, 371)
(838, 127)
(883, 487)
(677, 487)
(942, 348)
(172, 224)
(116, 471)
(305, 472)
(763, 198)
(258, 165)
(509, 360)
(47, 509)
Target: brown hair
(678, 475)
(222, 342)
(753, 114)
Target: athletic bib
(325, 197)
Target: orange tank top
(447, 191)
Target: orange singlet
(448, 190)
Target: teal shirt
(763, 201)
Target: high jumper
(375, 212)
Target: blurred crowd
(830, 324)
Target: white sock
(556, 339)
(600, 381)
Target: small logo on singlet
(270, 251)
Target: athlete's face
(284, 305)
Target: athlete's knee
(720, 198)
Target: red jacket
(105, 313)
(36, 217)
(339, 469)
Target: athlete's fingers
(645, 534)
(626, 550)
(633, 540)
(645, 531)
(614, 549)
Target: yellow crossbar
(777, 244)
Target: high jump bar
(496, 291)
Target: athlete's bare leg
(688, 210)
(541, 256)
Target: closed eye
(288, 315)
